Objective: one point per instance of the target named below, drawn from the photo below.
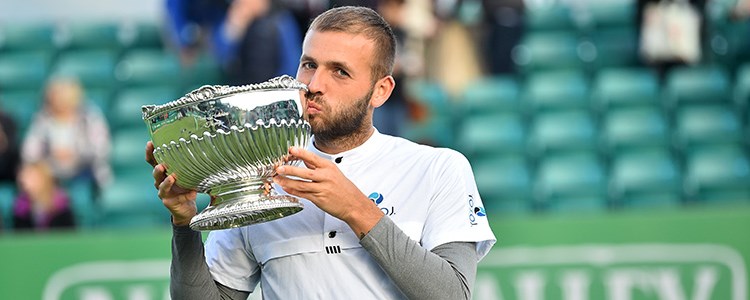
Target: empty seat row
(105, 69)
(35, 36)
(616, 87)
(581, 181)
(619, 129)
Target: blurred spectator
(41, 203)
(670, 32)
(454, 60)
(741, 10)
(72, 137)
(392, 116)
(253, 40)
(503, 23)
(8, 148)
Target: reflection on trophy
(226, 141)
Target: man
(419, 234)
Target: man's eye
(342, 73)
(308, 65)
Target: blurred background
(609, 138)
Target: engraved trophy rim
(210, 92)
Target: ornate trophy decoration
(226, 141)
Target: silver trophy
(226, 141)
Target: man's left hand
(327, 187)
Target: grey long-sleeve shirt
(447, 271)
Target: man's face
(336, 67)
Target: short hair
(362, 20)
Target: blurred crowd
(452, 43)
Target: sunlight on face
(336, 66)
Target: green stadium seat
(634, 127)
(205, 71)
(718, 174)
(616, 47)
(645, 179)
(490, 95)
(22, 105)
(488, 135)
(553, 90)
(93, 68)
(697, 125)
(571, 182)
(698, 84)
(433, 124)
(126, 111)
(548, 15)
(542, 51)
(562, 131)
(99, 97)
(148, 67)
(728, 41)
(504, 182)
(83, 203)
(27, 37)
(618, 87)
(136, 35)
(431, 95)
(90, 35)
(7, 198)
(742, 87)
(128, 146)
(611, 14)
(435, 131)
(24, 70)
(132, 203)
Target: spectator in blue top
(252, 40)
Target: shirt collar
(362, 152)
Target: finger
(150, 154)
(159, 174)
(311, 160)
(292, 186)
(165, 186)
(304, 173)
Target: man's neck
(344, 143)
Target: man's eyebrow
(332, 64)
(306, 58)
(340, 65)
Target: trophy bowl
(226, 141)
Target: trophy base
(247, 210)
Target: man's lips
(313, 108)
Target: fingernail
(280, 170)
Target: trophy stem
(241, 203)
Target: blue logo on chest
(378, 198)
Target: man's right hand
(179, 201)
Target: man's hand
(330, 190)
(179, 201)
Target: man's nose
(316, 84)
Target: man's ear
(382, 91)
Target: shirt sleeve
(229, 260)
(456, 212)
(190, 277)
(446, 272)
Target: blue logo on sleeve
(479, 211)
(475, 211)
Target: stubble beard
(346, 123)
